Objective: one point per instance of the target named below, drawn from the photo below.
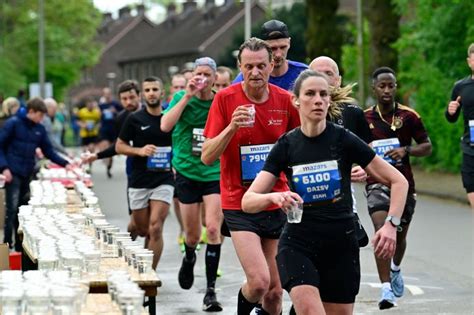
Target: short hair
(178, 76)
(255, 44)
(186, 70)
(224, 69)
(381, 70)
(128, 85)
(470, 50)
(153, 79)
(36, 104)
(49, 102)
(8, 104)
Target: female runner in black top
(318, 259)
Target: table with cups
(66, 231)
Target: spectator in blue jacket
(19, 139)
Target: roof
(188, 33)
(113, 31)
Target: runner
(244, 121)
(462, 96)
(151, 182)
(318, 254)
(352, 117)
(275, 34)
(196, 183)
(393, 127)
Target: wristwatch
(394, 221)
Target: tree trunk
(324, 34)
(384, 32)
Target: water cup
(295, 213)
(201, 83)
(2, 181)
(251, 120)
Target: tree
(384, 28)
(432, 51)
(70, 28)
(325, 32)
(294, 18)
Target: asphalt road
(438, 266)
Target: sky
(154, 13)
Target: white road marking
(414, 289)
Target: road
(438, 266)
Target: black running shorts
(323, 254)
(467, 172)
(190, 191)
(378, 199)
(266, 224)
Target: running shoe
(387, 300)
(396, 280)
(210, 303)
(186, 273)
(181, 239)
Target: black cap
(274, 29)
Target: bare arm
(385, 238)
(169, 120)
(259, 197)
(419, 150)
(213, 148)
(124, 148)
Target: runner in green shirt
(196, 182)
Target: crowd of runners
(237, 157)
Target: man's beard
(153, 105)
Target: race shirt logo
(383, 146)
(252, 159)
(197, 141)
(317, 181)
(161, 160)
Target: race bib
(471, 132)
(317, 181)
(161, 160)
(252, 159)
(108, 114)
(90, 124)
(382, 146)
(197, 141)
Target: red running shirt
(272, 119)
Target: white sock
(394, 267)
(386, 285)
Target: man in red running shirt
(244, 122)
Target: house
(183, 37)
(134, 47)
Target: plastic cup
(201, 83)
(295, 213)
(2, 181)
(92, 261)
(251, 120)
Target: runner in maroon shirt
(393, 127)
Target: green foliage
(348, 65)
(325, 33)
(432, 52)
(70, 28)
